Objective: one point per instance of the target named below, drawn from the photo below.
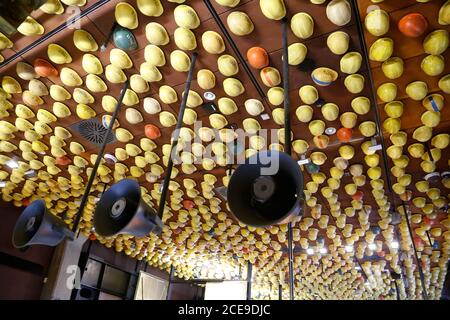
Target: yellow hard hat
(57, 54)
(82, 96)
(316, 127)
(444, 14)
(185, 39)
(120, 59)
(212, 42)
(70, 77)
(416, 150)
(45, 116)
(422, 134)
(84, 41)
(31, 99)
(186, 17)
(149, 72)
(393, 67)
(338, 42)
(392, 125)
(433, 65)
(339, 12)
(387, 92)
(300, 146)
(254, 107)
(206, 79)
(346, 151)
(308, 94)
(251, 125)
(239, 22)
(95, 84)
(275, 95)
(91, 64)
(190, 116)
(368, 128)
(115, 75)
(37, 88)
(228, 66)
(348, 119)
(233, 87)
(167, 94)
(156, 34)
(217, 121)
(351, 62)
(444, 83)
(394, 109)
(25, 71)
(318, 158)
(138, 84)
(304, 113)
(30, 27)
(123, 135)
(441, 141)
(302, 25)
(126, 15)
(83, 111)
(167, 119)
(377, 22)
(436, 42)
(399, 138)
(330, 111)
(381, 49)
(354, 83)
(430, 118)
(273, 9)
(180, 61)
(130, 98)
(11, 85)
(152, 8)
(227, 106)
(417, 90)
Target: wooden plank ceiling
(344, 265)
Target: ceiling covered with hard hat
(372, 136)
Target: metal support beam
(418, 263)
(249, 280)
(172, 270)
(287, 144)
(99, 157)
(176, 136)
(280, 292)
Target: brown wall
(179, 291)
(16, 283)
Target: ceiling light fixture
(265, 116)
(209, 95)
(310, 251)
(348, 248)
(330, 131)
(394, 245)
(12, 164)
(372, 246)
(2, 184)
(323, 250)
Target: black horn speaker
(266, 190)
(122, 210)
(37, 226)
